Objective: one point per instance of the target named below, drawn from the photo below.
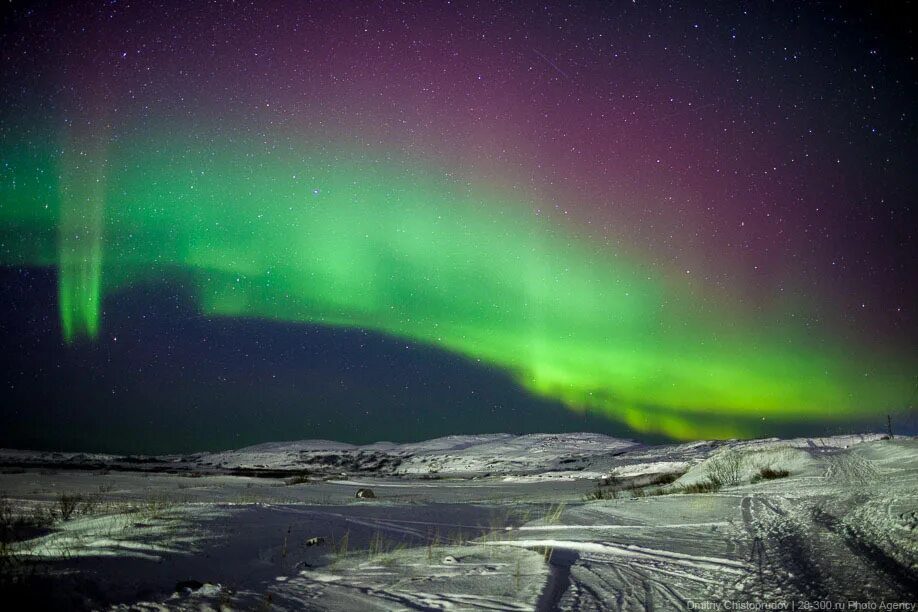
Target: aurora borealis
(579, 198)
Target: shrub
(708, 486)
(601, 493)
(6, 513)
(767, 473)
(665, 479)
(14, 524)
(611, 480)
(67, 504)
(725, 468)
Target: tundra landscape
(485, 522)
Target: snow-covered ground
(488, 522)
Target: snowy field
(489, 522)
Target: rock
(364, 493)
(450, 560)
(315, 541)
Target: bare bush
(725, 468)
(667, 478)
(709, 486)
(767, 473)
(601, 493)
(67, 505)
(611, 480)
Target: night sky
(231, 222)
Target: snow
(752, 458)
(555, 475)
(455, 578)
(502, 522)
(485, 453)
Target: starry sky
(230, 222)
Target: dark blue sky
(164, 379)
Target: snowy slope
(451, 455)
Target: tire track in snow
(632, 550)
(793, 547)
(629, 575)
(598, 584)
(902, 578)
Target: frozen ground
(492, 522)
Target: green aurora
(333, 237)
